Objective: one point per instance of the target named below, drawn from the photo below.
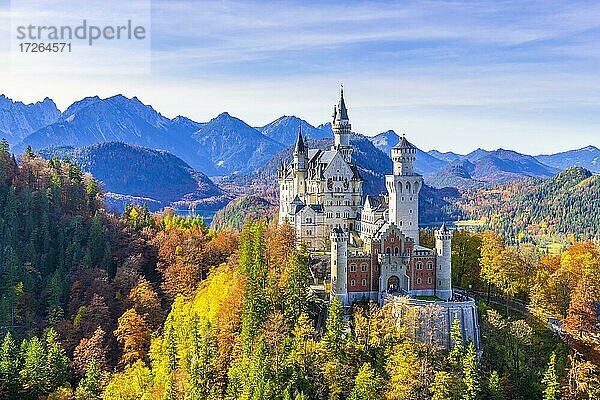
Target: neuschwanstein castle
(373, 241)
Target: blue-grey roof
(404, 144)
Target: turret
(339, 265)
(341, 128)
(443, 270)
(300, 152)
(300, 165)
(404, 156)
(403, 187)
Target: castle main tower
(339, 264)
(300, 165)
(443, 247)
(341, 128)
(403, 187)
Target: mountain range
(587, 157)
(233, 146)
(284, 130)
(222, 146)
(481, 168)
(17, 120)
(226, 146)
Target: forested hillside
(155, 306)
(130, 171)
(566, 206)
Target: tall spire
(342, 111)
(299, 142)
(341, 127)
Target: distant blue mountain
(116, 119)
(222, 146)
(285, 129)
(587, 157)
(227, 145)
(17, 120)
(233, 146)
(483, 168)
(326, 127)
(447, 156)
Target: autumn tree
(492, 248)
(581, 316)
(91, 350)
(583, 379)
(131, 384)
(403, 368)
(133, 335)
(146, 303)
(466, 250)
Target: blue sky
(451, 75)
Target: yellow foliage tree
(133, 334)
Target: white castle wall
(438, 327)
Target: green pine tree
(10, 383)
(470, 374)
(441, 389)
(494, 387)
(457, 351)
(57, 361)
(367, 385)
(34, 373)
(296, 296)
(550, 380)
(334, 336)
(89, 386)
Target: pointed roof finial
(443, 228)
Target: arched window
(419, 265)
(387, 250)
(364, 282)
(429, 280)
(429, 265)
(363, 267)
(395, 251)
(408, 187)
(352, 282)
(352, 267)
(419, 281)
